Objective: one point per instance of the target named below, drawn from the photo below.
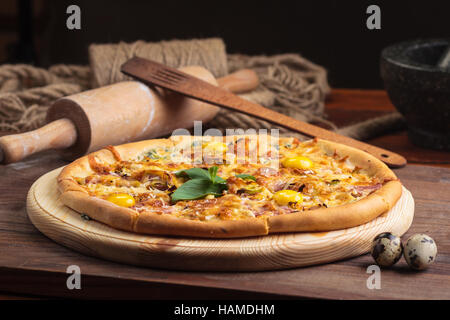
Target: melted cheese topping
(321, 180)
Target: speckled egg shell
(420, 251)
(387, 249)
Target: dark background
(330, 33)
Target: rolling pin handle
(241, 81)
(59, 134)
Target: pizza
(227, 187)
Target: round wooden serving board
(279, 251)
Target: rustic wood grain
(348, 106)
(279, 251)
(59, 134)
(30, 263)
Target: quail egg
(387, 249)
(420, 251)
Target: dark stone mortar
(419, 89)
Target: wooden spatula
(172, 79)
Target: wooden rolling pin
(116, 114)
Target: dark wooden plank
(399, 142)
(12, 296)
(348, 106)
(33, 264)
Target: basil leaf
(202, 183)
(246, 176)
(192, 189)
(220, 180)
(216, 189)
(194, 173)
(214, 177)
(196, 189)
(213, 172)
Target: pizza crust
(370, 164)
(323, 219)
(101, 210)
(166, 224)
(341, 217)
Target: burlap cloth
(290, 84)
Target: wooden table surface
(32, 266)
(347, 106)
